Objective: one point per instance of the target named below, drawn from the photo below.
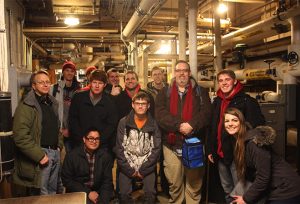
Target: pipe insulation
(142, 14)
(247, 31)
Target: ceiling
(98, 36)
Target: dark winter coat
(251, 110)
(27, 129)
(169, 123)
(76, 172)
(84, 115)
(152, 90)
(138, 149)
(270, 174)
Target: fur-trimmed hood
(261, 135)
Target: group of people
(102, 122)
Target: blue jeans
(50, 172)
(228, 178)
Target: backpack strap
(55, 90)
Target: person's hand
(134, 174)
(210, 158)
(185, 128)
(44, 160)
(93, 196)
(139, 175)
(238, 200)
(65, 132)
(115, 90)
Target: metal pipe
(145, 9)
(193, 8)
(181, 30)
(261, 25)
(69, 30)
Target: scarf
(186, 111)
(224, 104)
(137, 88)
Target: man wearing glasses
(137, 149)
(93, 108)
(88, 169)
(182, 110)
(37, 139)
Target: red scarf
(224, 105)
(137, 88)
(186, 111)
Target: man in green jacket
(37, 139)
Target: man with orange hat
(63, 91)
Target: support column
(135, 54)
(173, 51)
(181, 30)
(3, 51)
(193, 11)
(144, 70)
(217, 44)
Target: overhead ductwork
(145, 10)
(63, 32)
(259, 30)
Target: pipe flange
(140, 12)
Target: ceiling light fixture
(222, 8)
(71, 21)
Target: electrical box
(275, 117)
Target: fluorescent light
(71, 21)
(222, 8)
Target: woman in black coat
(270, 175)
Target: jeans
(50, 172)
(228, 178)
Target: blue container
(192, 153)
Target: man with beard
(182, 110)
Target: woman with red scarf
(220, 144)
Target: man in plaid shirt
(88, 169)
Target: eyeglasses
(182, 70)
(140, 104)
(92, 139)
(44, 83)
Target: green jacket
(27, 134)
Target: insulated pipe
(142, 12)
(182, 30)
(193, 9)
(226, 39)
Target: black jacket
(75, 172)
(137, 150)
(251, 110)
(270, 174)
(84, 115)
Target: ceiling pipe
(69, 30)
(261, 25)
(142, 14)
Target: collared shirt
(91, 160)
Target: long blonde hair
(239, 150)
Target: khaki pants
(183, 182)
